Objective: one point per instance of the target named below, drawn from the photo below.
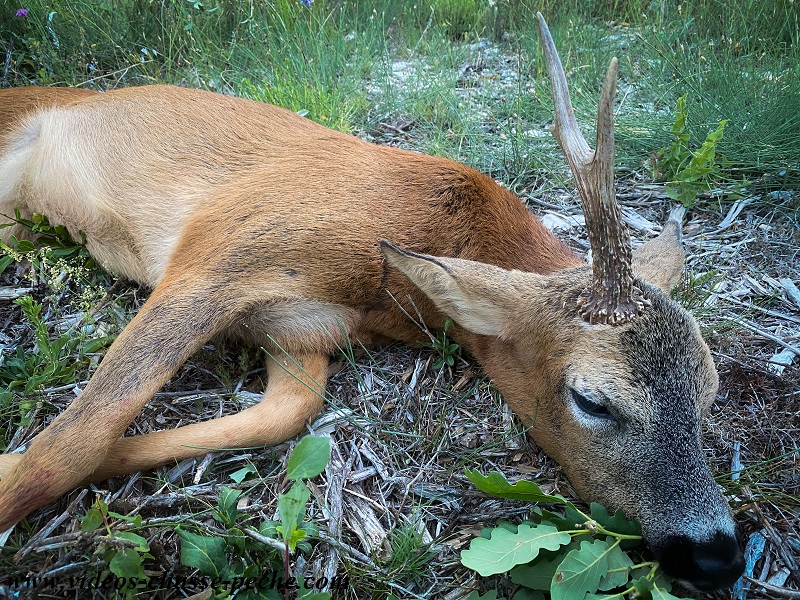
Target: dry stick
(48, 529)
(267, 541)
(337, 471)
(786, 593)
(357, 554)
(777, 542)
(764, 334)
(766, 311)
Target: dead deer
(250, 221)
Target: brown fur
(248, 220)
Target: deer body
(248, 220)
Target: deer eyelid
(590, 406)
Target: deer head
(610, 374)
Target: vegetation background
(463, 79)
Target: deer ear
(660, 261)
(466, 291)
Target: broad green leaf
(572, 518)
(618, 523)
(126, 563)
(491, 595)
(539, 574)
(269, 528)
(309, 458)
(136, 520)
(240, 475)
(581, 571)
(659, 578)
(310, 594)
(206, 554)
(643, 587)
(486, 532)
(93, 345)
(92, 520)
(236, 540)
(526, 594)
(619, 568)
(5, 262)
(25, 246)
(661, 594)
(497, 485)
(141, 543)
(292, 506)
(505, 550)
(227, 512)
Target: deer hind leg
(178, 318)
(294, 395)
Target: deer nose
(707, 565)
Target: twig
(786, 593)
(357, 554)
(267, 541)
(48, 529)
(764, 334)
(766, 311)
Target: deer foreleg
(177, 319)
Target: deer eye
(591, 407)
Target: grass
(335, 61)
(459, 79)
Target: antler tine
(612, 298)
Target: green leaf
(25, 246)
(126, 563)
(292, 506)
(643, 587)
(304, 593)
(5, 262)
(655, 578)
(141, 543)
(269, 528)
(661, 594)
(619, 568)
(136, 520)
(227, 512)
(581, 571)
(92, 520)
(491, 595)
(240, 475)
(539, 574)
(96, 344)
(618, 523)
(256, 594)
(309, 458)
(505, 550)
(206, 554)
(497, 485)
(526, 594)
(571, 519)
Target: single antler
(612, 298)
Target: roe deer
(251, 221)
